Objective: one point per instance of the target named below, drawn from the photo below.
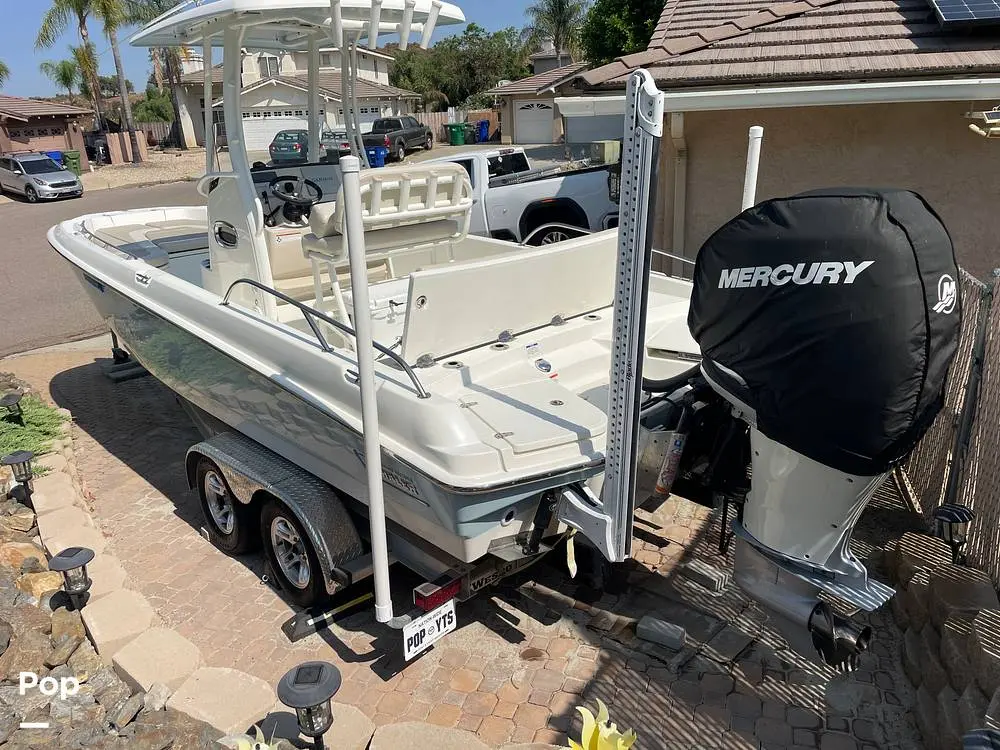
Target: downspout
(680, 186)
(210, 165)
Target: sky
(21, 19)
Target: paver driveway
(524, 656)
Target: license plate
(426, 630)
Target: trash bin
(376, 155)
(56, 156)
(456, 133)
(71, 160)
(471, 133)
(484, 130)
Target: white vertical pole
(753, 161)
(314, 122)
(430, 23)
(373, 25)
(405, 27)
(337, 26)
(209, 109)
(350, 168)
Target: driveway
(41, 301)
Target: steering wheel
(297, 191)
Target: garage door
(260, 127)
(533, 121)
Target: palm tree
(114, 15)
(4, 73)
(556, 20)
(65, 74)
(54, 23)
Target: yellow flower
(599, 733)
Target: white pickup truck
(518, 203)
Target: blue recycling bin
(484, 130)
(56, 156)
(377, 155)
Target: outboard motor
(828, 321)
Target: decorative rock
(61, 653)
(898, 605)
(949, 720)
(6, 632)
(956, 590)
(66, 623)
(8, 724)
(187, 733)
(23, 520)
(113, 696)
(926, 714)
(157, 655)
(26, 653)
(38, 584)
(972, 705)
(205, 695)
(955, 650)
(12, 702)
(84, 662)
(25, 618)
(15, 553)
(912, 656)
(73, 708)
(114, 620)
(417, 734)
(662, 632)
(934, 675)
(984, 650)
(919, 552)
(127, 711)
(916, 598)
(156, 697)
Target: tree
(558, 21)
(155, 107)
(64, 73)
(114, 15)
(111, 86)
(618, 27)
(54, 23)
(4, 73)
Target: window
(467, 163)
(256, 114)
(246, 115)
(298, 113)
(268, 66)
(325, 60)
(288, 113)
(507, 164)
(267, 113)
(4, 163)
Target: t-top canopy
(278, 25)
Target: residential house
(849, 92)
(547, 58)
(35, 125)
(275, 94)
(528, 112)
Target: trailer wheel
(291, 555)
(230, 522)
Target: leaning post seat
(402, 207)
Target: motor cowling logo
(947, 295)
(826, 272)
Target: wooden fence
(437, 120)
(156, 132)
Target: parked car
(37, 177)
(399, 135)
(513, 201)
(336, 140)
(289, 145)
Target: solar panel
(967, 12)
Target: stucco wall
(925, 147)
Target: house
(863, 92)
(528, 112)
(34, 125)
(547, 58)
(275, 94)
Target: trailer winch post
(753, 161)
(350, 167)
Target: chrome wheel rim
(30, 194)
(220, 504)
(290, 552)
(553, 237)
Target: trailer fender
(253, 472)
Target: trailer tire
(229, 522)
(298, 572)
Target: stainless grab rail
(665, 254)
(310, 313)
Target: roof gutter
(810, 95)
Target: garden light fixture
(72, 563)
(11, 401)
(20, 466)
(308, 688)
(951, 523)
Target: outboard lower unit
(827, 321)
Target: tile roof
(538, 83)
(739, 42)
(329, 83)
(21, 109)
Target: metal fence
(958, 460)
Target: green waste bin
(456, 133)
(72, 161)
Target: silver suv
(36, 176)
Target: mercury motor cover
(834, 315)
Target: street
(41, 302)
